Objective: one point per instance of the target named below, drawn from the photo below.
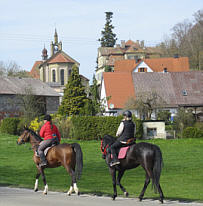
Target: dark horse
(147, 155)
(67, 155)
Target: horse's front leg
(44, 180)
(120, 175)
(113, 174)
(37, 180)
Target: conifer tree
(94, 92)
(108, 37)
(74, 97)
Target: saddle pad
(122, 152)
(45, 151)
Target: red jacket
(46, 132)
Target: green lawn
(182, 175)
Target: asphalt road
(25, 197)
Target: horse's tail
(158, 164)
(79, 159)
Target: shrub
(9, 125)
(20, 127)
(95, 127)
(192, 132)
(63, 125)
(36, 124)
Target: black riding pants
(115, 147)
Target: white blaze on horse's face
(23, 138)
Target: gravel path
(25, 197)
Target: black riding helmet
(127, 113)
(47, 117)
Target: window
(69, 72)
(53, 76)
(142, 69)
(62, 76)
(165, 70)
(184, 92)
(151, 132)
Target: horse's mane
(109, 138)
(37, 137)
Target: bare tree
(186, 40)
(145, 103)
(12, 69)
(31, 106)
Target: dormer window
(142, 69)
(184, 92)
(165, 70)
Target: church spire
(55, 37)
(55, 46)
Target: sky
(26, 26)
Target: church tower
(44, 54)
(55, 46)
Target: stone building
(130, 50)
(11, 88)
(56, 69)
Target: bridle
(104, 149)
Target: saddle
(46, 150)
(123, 150)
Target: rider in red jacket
(51, 135)
(48, 130)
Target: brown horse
(67, 155)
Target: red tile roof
(60, 58)
(170, 86)
(172, 64)
(35, 70)
(126, 65)
(157, 65)
(118, 86)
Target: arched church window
(62, 76)
(53, 76)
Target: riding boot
(43, 160)
(115, 160)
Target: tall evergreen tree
(108, 37)
(74, 97)
(94, 92)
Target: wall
(154, 129)
(10, 105)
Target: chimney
(122, 44)
(142, 44)
(138, 42)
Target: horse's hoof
(161, 200)
(78, 193)
(35, 190)
(140, 198)
(113, 197)
(44, 193)
(126, 194)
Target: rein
(105, 148)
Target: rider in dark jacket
(126, 131)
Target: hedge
(192, 132)
(95, 127)
(9, 125)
